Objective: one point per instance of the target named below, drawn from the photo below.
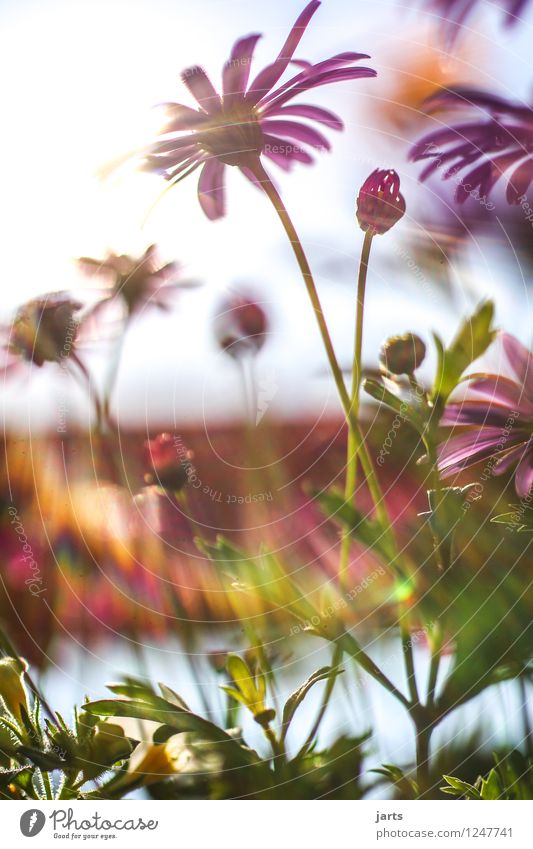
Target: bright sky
(80, 80)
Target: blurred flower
(248, 120)
(240, 325)
(136, 282)
(43, 330)
(455, 12)
(168, 462)
(380, 205)
(500, 141)
(502, 418)
(403, 354)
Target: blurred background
(81, 80)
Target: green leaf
(471, 341)
(44, 760)
(295, 699)
(456, 787)
(400, 405)
(367, 531)
(244, 679)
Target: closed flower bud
(108, 746)
(44, 330)
(403, 354)
(380, 205)
(169, 462)
(12, 688)
(240, 326)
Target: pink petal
(283, 153)
(315, 113)
(520, 182)
(181, 117)
(294, 130)
(509, 459)
(324, 79)
(211, 189)
(502, 390)
(521, 362)
(201, 88)
(462, 451)
(475, 413)
(237, 70)
(308, 74)
(524, 475)
(269, 76)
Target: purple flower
(455, 12)
(241, 325)
(501, 417)
(249, 119)
(498, 139)
(380, 204)
(136, 282)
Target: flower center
(233, 136)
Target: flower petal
(463, 451)
(521, 362)
(285, 154)
(211, 189)
(237, 69)
(269, 76)
(201, 88)
(303, 110)
(294, 130)
(502, 390)
(524, 473)
(181, 117)
(475, 413)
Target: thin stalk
(335, 661)
(370, 475)
(436, 655)
(528, 733)
(92, 391)
(409, 661)
(349, 644)
(423, 736)
(350, 486)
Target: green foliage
(511, 779)
(471, 341)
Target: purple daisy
(500, 142)
(501, 415)
(455, 12)
(249, 119)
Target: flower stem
(359, 443)
(351, 450)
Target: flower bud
(380, 205)
(12, 688)
(240, 326)
(168, 462)
(44, 330)
(402, 354)
(108, 746)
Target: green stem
(436, 654)
(335, 662)
(351, 450)
(423, 736)
(349, 644)
(360, 447)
